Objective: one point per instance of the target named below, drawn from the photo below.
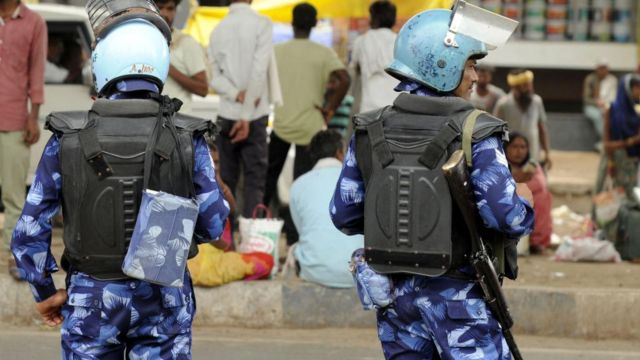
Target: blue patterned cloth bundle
(161, 239)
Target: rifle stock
(457, 176)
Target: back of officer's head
(304, 17)
(326, 144)
(382, 14)
(135, 49)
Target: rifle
(457, 176)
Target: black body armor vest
(411, 224)
(102, 160)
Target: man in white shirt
(240, 49)
(187, 71)
(599, 91)
(372, 53)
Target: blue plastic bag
(374, 290)
(161, 239)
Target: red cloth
(263, 263)
(541, 235)
(23, 52)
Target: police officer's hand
(239, 132)
(524, 192)
(49, 309)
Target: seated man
(323, 252)
(54, 73)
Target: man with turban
(524, 112)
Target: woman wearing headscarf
(526, 171)
(622, 135)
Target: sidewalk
(591, 301)
(572, 178)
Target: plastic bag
(261, 235)
(374, 290)
(607, 203)
(586, 249)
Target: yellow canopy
(204, 18)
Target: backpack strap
(467, 134)
(165, 144)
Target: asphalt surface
(321, 344)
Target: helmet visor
(483, 25)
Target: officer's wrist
(43, 292)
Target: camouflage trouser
(439, 318)
(126, 318)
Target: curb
(584, 313)
(542, 311)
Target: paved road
(320, 344)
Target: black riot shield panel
(407, 211)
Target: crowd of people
(307, 84)
(309, 87)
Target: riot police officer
(95, 165)
(417, 272)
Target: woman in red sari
(526, 171)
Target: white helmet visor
(483, 25)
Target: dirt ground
(539, 270)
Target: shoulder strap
(91, 149)
(66, 122)
(379, 145)
(467, 134)
(163, 141)
(438, 146)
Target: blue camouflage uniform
(442, 316)
(103, 319)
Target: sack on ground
(215, 267)
(628, 235)
(161, 238)
(586, 249)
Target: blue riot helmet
(135, 49)
(421, 54)
(433, 46)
